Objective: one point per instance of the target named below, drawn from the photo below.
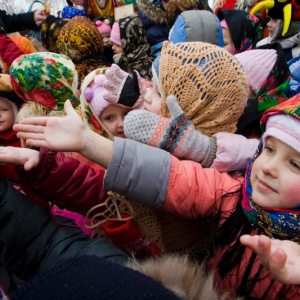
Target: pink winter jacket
(194, 191)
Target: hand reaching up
(123, 88)
(54, 133)
(23, 157)
(282, 258)
(177, 134)
(66, 134)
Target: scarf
(276, 223)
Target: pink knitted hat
(103, 27)
(257, 64)
(284, 128)
(94, 94)
(115, 35)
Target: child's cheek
(292, 197)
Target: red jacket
(64, 181)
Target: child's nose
(270, 167)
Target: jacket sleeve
(155, 178)
(9, 51)
(31, 241)
(233, 151)
(17, 22)
(64, 181)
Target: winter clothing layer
(91, 277)
(185, 188)
(31, 241)
(137, 54)
(197, 25)
(64, 181)
(16, 22)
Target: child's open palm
(54, 133)
(281, 257)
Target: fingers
(119, 72)
(69, 109)
(33, 127)
(173, 106)
(37, 143)
(30, 136)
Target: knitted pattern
(176, 135)
(210, 85)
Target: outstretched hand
(39, 16)
(123, 88)
(23, 157)
(282, 258)
(54, 133)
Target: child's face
(272, 26)
(7, 116)
(228, 43)
(275, 176)
(112, 118)
(117, 49)
(153, 99)
(106, 39)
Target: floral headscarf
(274, 222)
(245, 29)
(45, 77)
(50, 79)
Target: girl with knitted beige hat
(267, 89)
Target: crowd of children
(161, 145)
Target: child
(111, 115)
(104, 26)
(54, 81)
(261, 202)
(241, 38)
(285, 31)
(10, 104)
(80, 40)
(132, 50)
(268, 77)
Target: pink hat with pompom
(94, 94)
(103, 26)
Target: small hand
(282, 258)
(39, 16)
(24, 157)
(54, 133)
(122, 88)
(177, 134)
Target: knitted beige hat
(209, 83)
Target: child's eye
(109, 118)
(295, 164)
(269, 149)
